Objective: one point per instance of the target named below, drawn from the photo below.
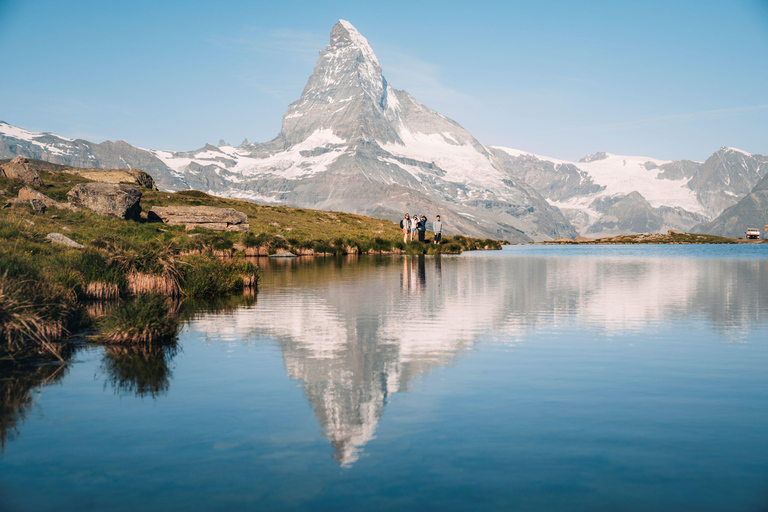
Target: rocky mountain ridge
(674, 194)
(353, 143)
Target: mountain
(56, 149)
(352, 143)
(750, 212)
(678, 194)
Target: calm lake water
(534, 378)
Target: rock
(37, 205)
(122, 201)
(286, 254)
(58, 238)
(21, 169)
(27, 193)
(132, 176)
(208, 217)
(675, 232)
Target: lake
(581, 378)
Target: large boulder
(107, 199)
(133, 176)
(21, 169)
(208, 217)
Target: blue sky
(654, 78)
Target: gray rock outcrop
(58, 238)
(130, 176)
(207, 217)
(750, 212)
(21, 169)
(26, 194)
(37, 205)
(121, 201)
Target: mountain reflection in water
(354, 331)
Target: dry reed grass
(23, 316)
(100, 290)
(163, 284)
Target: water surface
(533, 378)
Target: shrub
(143, 319)
(208, 278)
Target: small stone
(37, 205)
(58, 238)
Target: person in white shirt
(414, 225)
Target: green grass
(140, 320)
(657, 238)
(44, 286)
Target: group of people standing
(417, 225)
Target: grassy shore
(45, 288)
(649, 238)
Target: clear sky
(667, 79)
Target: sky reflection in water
(534, 378)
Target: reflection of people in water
(422, 271)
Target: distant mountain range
(353, 143)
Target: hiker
(437, 227)
(414, 225)
(422, 226)
(405, 225)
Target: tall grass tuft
(207, 278)
(36, 312)
(144, 319)
(139, 283)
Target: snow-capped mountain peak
(344, 33)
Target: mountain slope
(681, 193)
(750, 212)
(351, 142)
(56, 149)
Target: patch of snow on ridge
(463, 163)
(622, 175)
(290, 164)
(517, 152)
(626, 174)
(738, 151)
(177, 164)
